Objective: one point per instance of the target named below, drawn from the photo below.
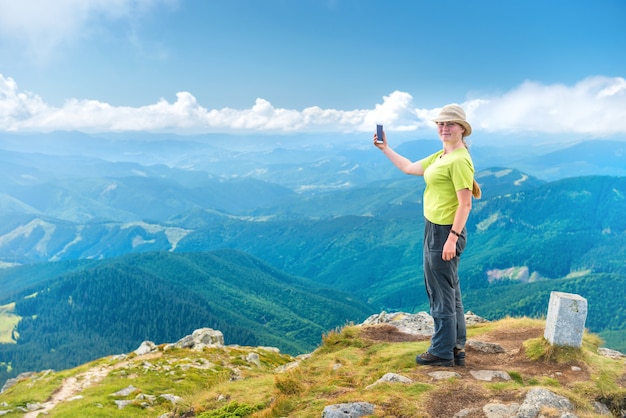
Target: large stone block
(565, 323)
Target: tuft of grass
(502, 386)
(516, 377)
(504, 323)
(231, 410)
(550, 382)
(289, 383)
(282, 406)
(345, 337)
(541, 349)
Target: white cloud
(42, 25)
(593, 107)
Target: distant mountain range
(333, 221)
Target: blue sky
(534, 69)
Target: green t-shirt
(444, 177)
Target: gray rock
(200, 338)
(348, 410)
(538, 398)
(485, 347)
(390, 378)
(614, 354)
(472, 319)
(145, 348)
(121, 404)
(34, 406)
(125, 392)
(489, 375)
(498, 410)
(288, 366)
(600, 408)
(443, 375)
(463, 413)
(172, 398)
(254, 359)
(144, 397)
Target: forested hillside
(570, 227)
(111, 306)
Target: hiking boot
(459, 357)
(427, 359)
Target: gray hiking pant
(444, 293)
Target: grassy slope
(340, 370)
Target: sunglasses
(446, 124)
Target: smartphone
(379, 134)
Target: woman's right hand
(380, 145)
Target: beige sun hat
(454, 113)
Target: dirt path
(72, 386)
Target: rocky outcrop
(201, 338)
(198, 340)
(420, 323)
(145, 348)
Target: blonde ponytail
(476, 192)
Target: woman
(450, 184)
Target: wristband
(452, 231)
